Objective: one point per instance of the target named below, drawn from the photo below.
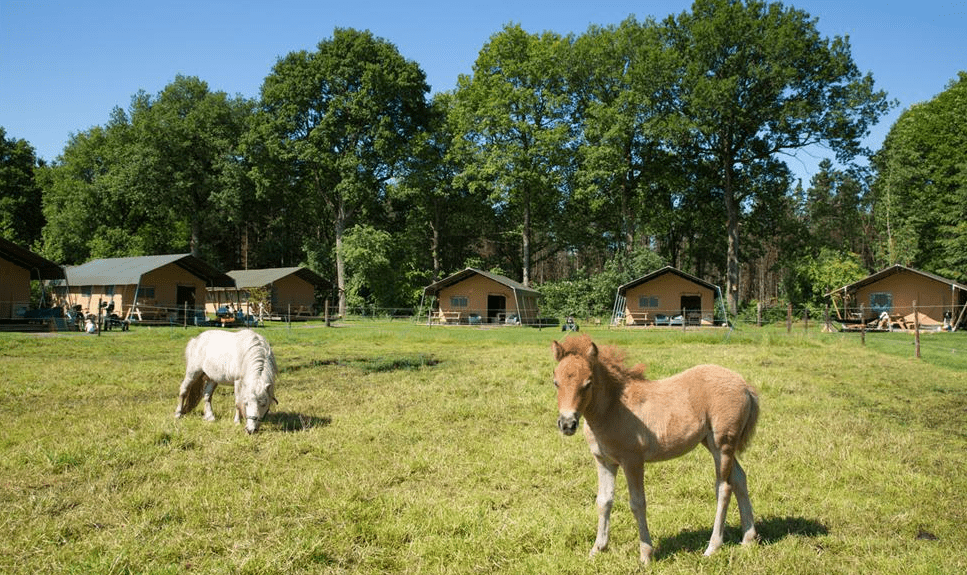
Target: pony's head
(573, 378)
(253, 404)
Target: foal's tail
(752, 417)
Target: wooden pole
(789, 318)
(862, 326)
(805, 319)
(758, 314)
(328, 324)
(916, 329)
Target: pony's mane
(610, 358)
(258, 360)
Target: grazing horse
(629, 420)
(244, 358)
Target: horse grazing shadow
(770, 530)
(290, 422)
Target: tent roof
(264, 277)
(40, 268)
(124, 271)
(458, 277)
(893, 270)
(666, 270)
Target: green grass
(407, 449)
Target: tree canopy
(921, 185)
(577, 158)
(336, 125)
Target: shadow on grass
(770, 529)
(290, 421)
(369, 364)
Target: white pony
(242, 357)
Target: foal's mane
(610, 358)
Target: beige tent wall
(123, 295)
(477, 289)
(14, 289)
(164, 281)
(933, 298)
(295, 292)
(669, 289)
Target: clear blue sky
(64, 65)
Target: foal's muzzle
(568, 423)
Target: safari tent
(291, 291)
(474, 296)
(894, 291)
(18, 266)
(144, 289)
(667, 296)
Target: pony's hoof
(646, 553)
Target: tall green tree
(515, 127)
(444, 219)
(756, 80)
(21, 216)
(185, 158)
(920, 186)
(340, 121)
(162, 177)
(626, 175)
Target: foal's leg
(605, 500)
(634, 475)
(723, 493)
(741, 489)
(210, 385)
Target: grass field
(399, 448)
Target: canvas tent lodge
(292, 293)
(18, 267)
(893, 292)
(667, 296)
(148, 289)
(473, 296)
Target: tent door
(496, 305)
(692, 309)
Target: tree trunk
(340, 263)
(196, 234)
(732, 226)
(527, 238)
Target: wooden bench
(638, 318)
(446, 317)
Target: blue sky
(65, 65)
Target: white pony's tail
(195, 392)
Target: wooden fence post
(758, 314)
(916, 329)
(789, 318)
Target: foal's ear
(592, 351)
(558, 351)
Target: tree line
(573, 162)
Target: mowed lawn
(400, 448)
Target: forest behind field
(573, 163)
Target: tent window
(881, 302)
(647, 301)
